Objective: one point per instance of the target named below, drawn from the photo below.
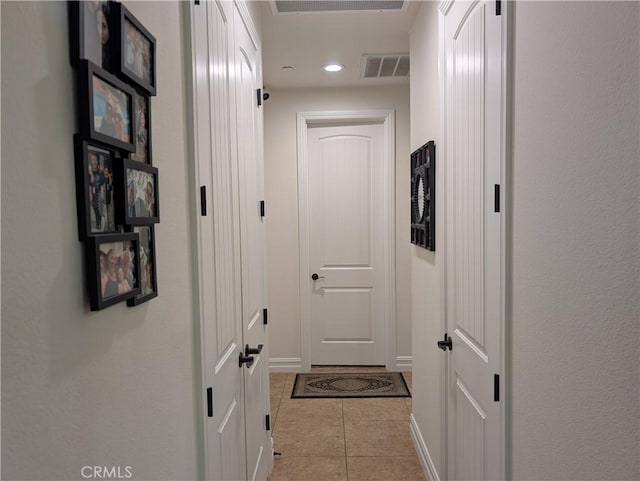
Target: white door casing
(218, 248)
(353, 274)
(473, 37)
(248, 116)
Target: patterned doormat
(350, 385)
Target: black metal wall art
(423, 196)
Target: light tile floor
(341, 439)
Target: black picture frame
(96, 189)
(138, 196)
(105, 97)
(136, 50)
(142, 112)
(113, 268)
(148, 267)
(423, 196)
(91, 34)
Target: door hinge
(496, 198)
(268, 422)
(262, 208)
(265, 319)
(496, 387)
(210, 402)
(259, 92)
(498, 7)
(203, 200)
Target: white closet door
(474, 36)
(218, 245)
(248, 124)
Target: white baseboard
(285, 364)
(404, 363)
(423, 452)
(294, 364)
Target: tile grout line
(275, 419)
(344, 433)
(284, 385)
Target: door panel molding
(327, 118)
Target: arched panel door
(474, 42)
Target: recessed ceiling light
(333, 67)
(287, 67)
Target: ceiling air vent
(385, 66)
(314, 6)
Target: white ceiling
(309, 41)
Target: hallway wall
(108, 388)
(425, 265)
(281, 187)
(575, 217)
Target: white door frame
(387, 119)
(505, 233)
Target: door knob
(446, 343)
(248, 360)
(252, 350)
(315, 277)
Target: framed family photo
(139, 205)
(95, 188)
(136, 57)
(106, 108)
(113, 268)
(148, 276)
(142, 112)
(91, 35)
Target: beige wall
(281, 185)
(575, 271)
(425, 265)
(108, 388)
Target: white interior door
(346, 187)
(218, 244)
(474, 134)
(248, 118)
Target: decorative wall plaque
(423, 196)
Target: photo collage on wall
(114, 57)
